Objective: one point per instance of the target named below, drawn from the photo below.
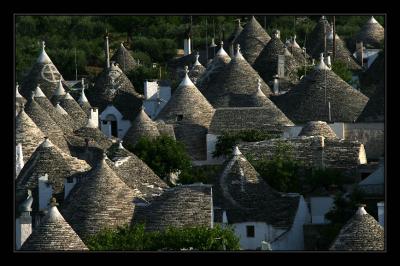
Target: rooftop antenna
(206, 41)
(76, 67)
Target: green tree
(136, 238)
(164, 155)
(340, 68)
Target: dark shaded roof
(124, 59)
(44, 74)
(313, 151)
(371, 34)
(252, 40)
(91, 152)
(69, 121)
(220, 60)
(58, 93)
(49, 159)
(65, 122)
(236, 31)
(374, 76)
(374, 111)
(316, 36)
(165, 129)
(134, 172)
(94, 134)
(176, 65)
(74, 110)
(101, 200)
(318, 128)
(28, 134)
(341, 54)
(374, 184)
(246, 118)
(180, 206)
(246, 197)
(234, 84)
(142, 126)
(306, 101)
(196, 71)
(266, 63)
(53, 234)
(297, 52)
(46, 124)
(361, 233)
(112, 86)
(196, 112)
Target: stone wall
(372, 135)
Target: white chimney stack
(19, 159)
(276, 85)
(94, 116)
(186, 46)
(23, 228)
(45, 192)
(107, 53)
(381, 213)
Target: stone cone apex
(59, 90)
(236, 151)
(321, 65)
(17, 94)
(197, 63)
(68, 96)
(186, 82)
(361, 210)
(259, 91)
(120, 144)
(39, 92)
(43, 57)
(238, 54)
(372, 20)
(46, 143)
(221, 51)
(294, 43)
(60, 109)
(82, 98)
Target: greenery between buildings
(171, 239)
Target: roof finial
(17, 94)
(238, 22)
(32, 95)
(238, 54)
(43, 45)
(361, 210)
(322, 64)
(236, 151)
(53, 202)
(186, 69)
(120, 144)
(104, 156)
(197, 63)
(186, 80)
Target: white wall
(292, 132)
(123, 125)
(262, 232)
(19, 159)
(339, 129)
(150, 89)
(187, 47)
(294, 239)
(151, 106)
(381, 213)
(23, 229)
(45, 192)
(319, 207)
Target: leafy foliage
(227, 141)
(203, 174)
(163, 155)
(193, 238)
(340, 68)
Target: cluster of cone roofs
(45, 110)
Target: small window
(179, 117)
(70, 180)
(250, 230)
(104, 122)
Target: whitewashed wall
(123, 125)
(319, 207)
(45, 192)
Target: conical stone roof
(91, 132)
(66, 118)
(46, 124)
(28, 134)
(84, 103)
(240, 186)
(220, 60)
(58, 94)
(134, 172)
(190, 113)
(49, 159)
(74, 110)
(374, 111)
(142, 126)
(252, 40)
(101, 200)
(66, 125)
(307, 101)
(316, 37)
(297, 52)
(44, 74)
(266, 63)
(234, 84)
(361, 233)
(53, 234)
(371, 34)
(231, 39)
(318, 128)
(197, 70)
(113, 87)
(124, 59)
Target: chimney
(381, 213)
(107, 53)
(19, 159)
(224, 218)
(94, 116)
(281, 66)
(186, 46)
(328, 61)
(360, 53)
(276, 85)
(45, 192)
(23, 226)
